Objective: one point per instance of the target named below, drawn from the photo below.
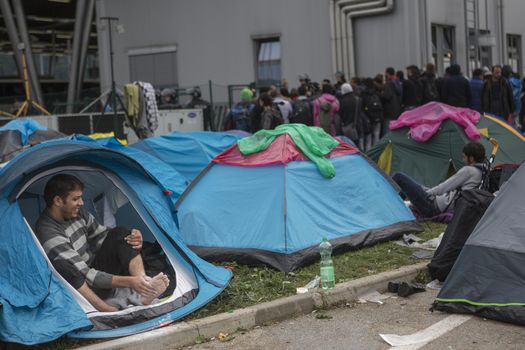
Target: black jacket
(391, 98)
(506, 99)
(412, 92)
(347, 108)
(455, 90)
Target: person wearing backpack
(302, 109)
(325, 108)
(271, 115)
(436, 200)
(283, 104)
(239, 116)
(373, 109)
(412, 89)
(428, 81)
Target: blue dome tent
(136, 191)
(274, 207)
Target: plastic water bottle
(327, 265)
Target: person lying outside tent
(433, 201)
(104, 265)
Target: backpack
(240, 116)
(429, 90)
(325, 116)
(271, 118)
(302, 112)
(373, 107)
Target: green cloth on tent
(313, 141)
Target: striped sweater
(75, 241)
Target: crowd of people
(362, 108)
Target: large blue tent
(188, 152)
(274, 207)
(37, 305)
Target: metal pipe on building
(424, 30)
(340, 29)
(502, 31)
(467, 41)
(347, 13)
(386, 8)
(9, 21)
(32, 72)
(75, 56)
(331, 10)
(86, 32)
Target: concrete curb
(184, 333)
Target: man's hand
(134, 239)
(141, 285)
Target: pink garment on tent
(424, 121)
(281, 151)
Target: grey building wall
(215, 39)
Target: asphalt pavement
(358, 325)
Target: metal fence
(221, 97)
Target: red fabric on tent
(282, 150)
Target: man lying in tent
(104, 265)
(433, 201)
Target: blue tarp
(36, 306)
(25, 126)
(188, 152)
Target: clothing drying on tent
(488, 278)
(433, 161)
(274, 206)
(188, 152)
(127, 190)
(426, 120)
(20, 134)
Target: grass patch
(254, 285)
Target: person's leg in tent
(120, 258)
(416, 194)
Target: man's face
(71, 205)
(496, 73)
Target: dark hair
(326, 81)
(496, 66)
(328, 89)
(294, 93)
(430, 68)
(368, 82)
(400, 75)
(284, 92)
(61, 185)
(477, 72)
(301, 90)
(390, 71)
(475, 150)
(266, 99)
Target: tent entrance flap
(112, 203)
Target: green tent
(433, 161)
